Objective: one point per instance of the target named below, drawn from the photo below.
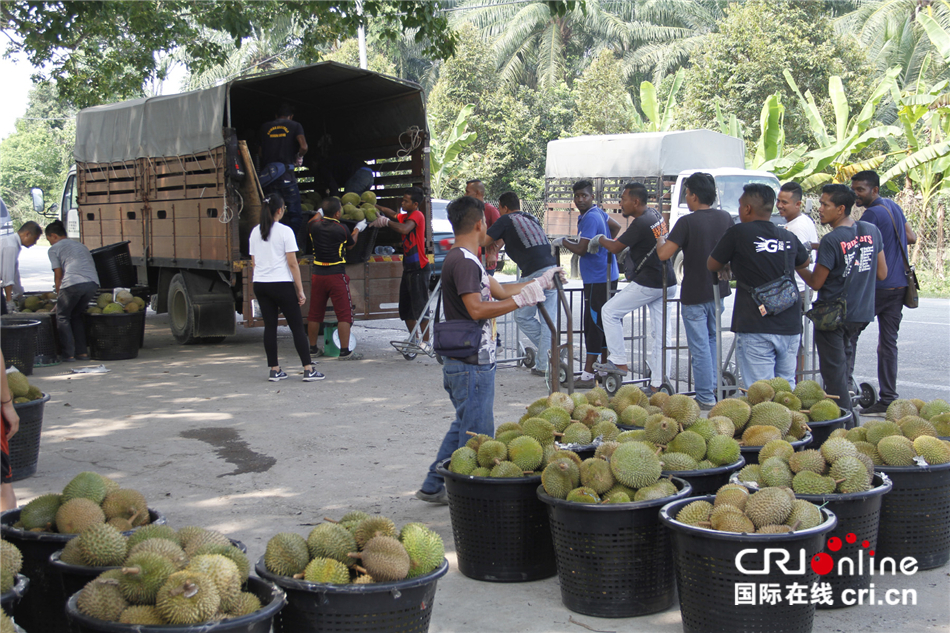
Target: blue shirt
(894, 244)
(594, 265)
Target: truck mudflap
(200, 307)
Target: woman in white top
(277, 286)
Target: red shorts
(333, 287)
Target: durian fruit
(760, 391)
(351, 198)
(934, 408)
(583, 494)
(690, 443)
(40, 513)
(193, 538)
(750, 473)
(154, 531)
(101, 599)
(807, 460)
(898, 409)
(824, 410)
(913, 427)
(776, 448)
(526, 453)
(562, 400)
(932, 450)
(143, 574)
(634, 464)
(506, 469)
(127, 504)
(560, 477)
(77, 514)
(286, 554)
(853, 473)
(425, 548)
(464, 461)
(835, 448)
(661, 429)
(87, 485)
(164, 547)
(188, 597)
(695, 513)
(245, 604)
(768, 506)
(101, 545)
(231, 552)
(733, 495)
(142, 614)
(675, 462)
(331, 540)
(11, 561)
(808, 482)
(557, 416)
(596, 475)
(326, 571)
(760, 435)
(779, 384)
(113, 308)
(385, 559)
(896, 450)
(683, 409)
(809, 392)
(771, 414)
(491, 452)
(104, 299)
(224, 573)
(538, 428)
(372, 527)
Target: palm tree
(892, 35)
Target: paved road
(924, 336)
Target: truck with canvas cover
(659, 160)
(164, 174)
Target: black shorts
(413, 293)
(6, 471)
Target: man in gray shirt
(74, 273)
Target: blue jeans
(700, 321)
(765, 356)
(471, 389)
(534, 326)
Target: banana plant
(442, 161)
(732, 127)
(660, 121)
(771, 144)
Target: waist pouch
(457, 339)
(828, 315)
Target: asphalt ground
(210, 442)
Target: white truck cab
(729, 183)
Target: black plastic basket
(751, 453)
(820, 431)
(709, 580)
(365, 242)
(38, 610)
(114, 265)
(25, 445)
(10, 599)
(709, 480)
(501, 529)
(271, 596)
(915, 515)
(859, 514)
(114, 336)
(613, 560)
(47, 338)
(395, 607)
(18, 343)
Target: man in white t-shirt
(789, 204)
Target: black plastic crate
(18, 342)
(821, 431)
(751, 453)
(114, 336)
(25, 445)
(404, 606)
(708, 480)
(613, 560)
(915, 515)
(114, 265)
(859, 514)
(707, 575)
(500, 527)
(47, 338)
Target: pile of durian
(89, 499)
(359, 549)
(122, 302)
(771, 510)
(162, 577)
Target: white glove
(530, 295)
(381, 221)
(547, 279)
(557, 242)
(594, 244)
(623, 256)
(11, 307)
(361, 225)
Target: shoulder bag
(829, 314)
(457, 338)
(777, 295)
(911, 299)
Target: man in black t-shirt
(329, 280)
(760, 252)
(283, 144)
(697, 233)
(850, 260)
(645, 272)
(470, 294)
(528, 246)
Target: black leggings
(281, 296)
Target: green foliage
(38, 154)
(739, 66)
(444, 157)
(601, 102)
(98, 52)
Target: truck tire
(181, 313)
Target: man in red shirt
(411, 225)
(476, 189)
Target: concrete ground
(210, 442)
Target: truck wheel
(181, 315)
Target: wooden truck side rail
(560, 217)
